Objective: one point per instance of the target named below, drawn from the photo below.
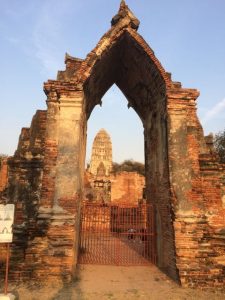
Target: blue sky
(188, 37)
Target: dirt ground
(115, 283)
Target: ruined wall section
(26, 165)
(222, 166)
(53, 250)
(210, 225)
(158, 186)
(196, 190)
(127, 187)
(3, 174)
(121, 187)
(213, 191)
(73, 64)
(25, 175)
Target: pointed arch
(183, 175)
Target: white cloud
(47, 34)
(16, 10)
(215, 111)
(12, 40)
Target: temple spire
(123, 5)
(125, 13)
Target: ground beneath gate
(116, 283)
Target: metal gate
(117, 234)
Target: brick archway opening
(184, 179)
(126, 64)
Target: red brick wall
(3, 174)
(127, 187)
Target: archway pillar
(181, 117)
(184, 147)
(55, 249)
(158, 186)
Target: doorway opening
(117, 234)
(130, 64)
(116, 221)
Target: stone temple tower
(101, 157)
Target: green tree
(219, 143)
(129, 166)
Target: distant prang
(101, 157)
(103, 185)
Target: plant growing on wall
(219, 143)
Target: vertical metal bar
(83, 233)
(151, 249)
(130, 226)
(108, 237)
(126, 228)
(111, 233)
(148, 241)
(80, 236)
(94, 220)
(104, 240)
(119, 233)
(7, 270)
(98, 231)
(101, 240)
(150, 244)
(154, 233)
(145, 237)
(88, 229)
(148, 232)
(95, 223)
(127, 222)
(117, 241)
(153, 236)
(123, 227)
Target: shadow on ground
(94, 282)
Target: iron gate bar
(117, 234)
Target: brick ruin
(120, 187)
(127, 187)
(184, 180)
(3, 174)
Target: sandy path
(116, 283)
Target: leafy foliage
(219, 143)
(129, 166)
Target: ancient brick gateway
(185, 182)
